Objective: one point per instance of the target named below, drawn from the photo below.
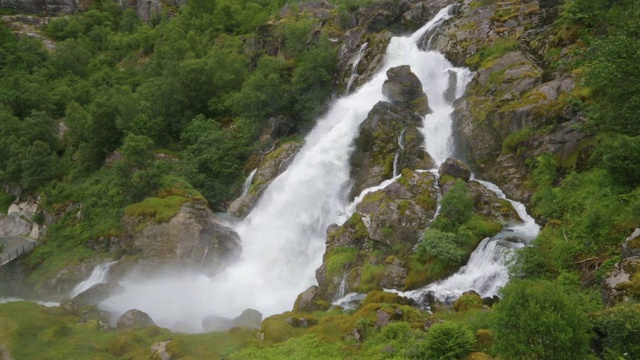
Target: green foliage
(620, 156)
(484, 57)
(303, 348)
(515, 139)
(541, 320)
(618, 332)
(441, 247)
(338, 259)
(5, 201)
(456, 208)
(448, 341)
(156, 209)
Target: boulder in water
(134, 319)
(403, 88)
(454, 168)
(96, 294)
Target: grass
(157, 209)
(485, 56)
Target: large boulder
(250, 318)
(403, 88)
(623, 283)
(134, 319)
(193, 238)
(389, 140)
(96, 294)
(370, 250)
(454, 168)
(631, 246)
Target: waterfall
(98, 276)
(486, 271)
(354, 67)
(283, 238)
(247, 182)
(395, 164)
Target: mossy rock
(477, 356)
(468, 301)
(383, 297)
(276, 329)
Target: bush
(618, 332)
(439, 245)
(448, 342)
(456, 208)
(540, 320)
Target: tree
(448, 341)
(541, 320)
(456, 208)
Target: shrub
(448, 342)
(618, 332)
(456, 208)
(540, 320)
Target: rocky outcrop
(454, 168)
(134, 319)
(96, 294)
(193, 238)
(19, 221)
(623, 283)
(370, 249)
(269, 167)
(403, 88)
(389, 139)
(47, 7)
(517, 105)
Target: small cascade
(247, 182)
(351, 208)
(354, 67)
(486, 271)
(395, 164)
(98, 276)
(401, 138)
(342, 288)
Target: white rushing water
(247, 182)
(354, 67)
(283, 237)
(98, 276)
(486, 271)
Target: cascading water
(354, 67)
(247, 182)
(486, 271)
(98, 276)
(284, 236)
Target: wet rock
(249, 318)
(303, 322)
(96, 294)
(631, 246)
(403, 88)
(389, 135)
(309, 301)
(159, 350)
(490, 301)
(134, 319)
(454, 168)
(193, 238)
(273, 164)
(487, 204)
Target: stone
(134, 319)
(193, 238)
(454, 168)
(159, 350)
(403, 88)
(631, 246)
(623, 283)
(389, 135)
(249, 318)
(308, 301)
(96, 294)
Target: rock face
(389, 138)
(134, 319)
(18, 220)
(269, 167)
(517, 106)
(49, 7)
(454, 168)
(403, 88)
(96, 294)
(191, 239)
(370, 249)
(623, 283)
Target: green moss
(276, 330)
(156, 209)
(483, 58)
(426, 201)
(467, 301)
(516, 138)
(370, 277)
(382, 297)
(338, 259)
